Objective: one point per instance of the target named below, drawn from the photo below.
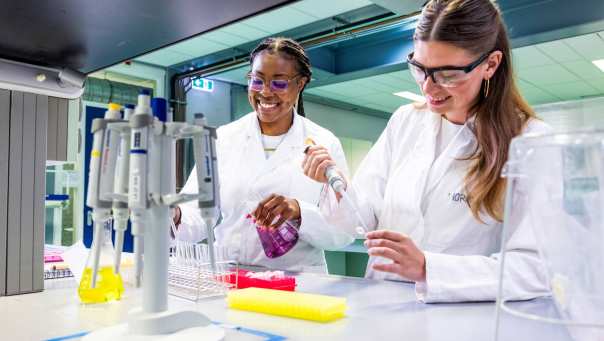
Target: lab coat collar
(291, 146)
(294, 137)
(426, 144)
(252, 152)
(458, 148)
(294, 134)
(433, 121)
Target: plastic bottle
(109, 285)
(277, 241)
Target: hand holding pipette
(318, 165)
(322, 167)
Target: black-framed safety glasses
(447, 76)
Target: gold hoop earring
(486, 88)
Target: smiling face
(274, 107)
(453, 102)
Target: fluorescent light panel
(599, 63)
(410, 96)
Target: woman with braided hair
(259, 158)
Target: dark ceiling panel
(529, 22)
(88, 35)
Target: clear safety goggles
(445, 76)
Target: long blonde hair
(501, 113)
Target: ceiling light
(599, 63)
(62, 83)
(410, 96)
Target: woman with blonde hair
(430, 188)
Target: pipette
(338, 184)
(362, 230)
(207, 175)
(98, 179)
(120, 207)
(137, 182)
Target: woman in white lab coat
(259, 165)
(430, 188)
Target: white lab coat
(402, 186)
(247, 177)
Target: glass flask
(277, 241)
(109, 285)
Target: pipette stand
(153, 321)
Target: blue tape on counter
(267, 336)
(138, 151)
(69, 337)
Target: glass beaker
(558, 181)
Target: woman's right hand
(316, 161)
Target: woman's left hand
(273, 206)
(408, 261)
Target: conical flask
(106, 285)
(276, 241)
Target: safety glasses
(280, 85)
(445, 76)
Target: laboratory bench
(377, 310)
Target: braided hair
(289, 49)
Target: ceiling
(549, 72)
(88, 35)
(370, 69)
(279, 20)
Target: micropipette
(336, 181)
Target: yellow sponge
(288, 303)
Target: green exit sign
(203, 84)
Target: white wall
(215, 105)
(143, 71)
(344, 123)
(357, 132)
